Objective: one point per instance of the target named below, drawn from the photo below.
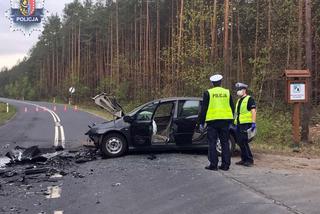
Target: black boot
(211, 167)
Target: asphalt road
(39, 123)
(170, 183)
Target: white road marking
(58, 212)
(56, 136)
(53, 192)
(63, 140)
(57, 124)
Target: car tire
(113, 145)
(232, 143)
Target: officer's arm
(254, 115)
(253, 108)
(204, 108)
(232, 105)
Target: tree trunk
(226, 43)
(308, 39)
(214, 52)
(240, 58)
(300, 33)
(179, 42)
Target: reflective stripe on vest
(245, 116)
(219, 105)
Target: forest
(138, 50)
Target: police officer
(217, 111)
(245, 119)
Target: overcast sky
(14, 45)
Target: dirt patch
(287, 162)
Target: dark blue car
(169, 123)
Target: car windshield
(137, 109)
(134, 111)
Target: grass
(4, 116)
(275, 136)
(95, 110)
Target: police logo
(27, 15)
(27, 7)
(219, 96)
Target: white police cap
(216, 78)
(240, 85)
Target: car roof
(177, 98)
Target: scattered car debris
(4, 161)
(34, 164)
(22, 155)
(77, 175)
(116, 184)
(152, 157)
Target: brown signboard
(297, 85)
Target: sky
(15, 46)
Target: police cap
(216, 78)
(240, 86)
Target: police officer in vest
(245, 119)
(217, 112)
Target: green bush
(274, 127)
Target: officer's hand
(253, 126)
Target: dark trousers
(222, 133)
(243, 142)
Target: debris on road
(152, 157)
(34, 164)
(22, 155)
(116, 184)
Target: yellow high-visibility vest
(244, 115)
(219, 105)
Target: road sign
(72, 90)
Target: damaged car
(169, 123)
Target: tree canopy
(142, 49)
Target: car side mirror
(128, 119)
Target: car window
(164, 110)
(188, 108)
(145, 114)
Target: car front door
(186, 121)
(162, 123)
(141, 127)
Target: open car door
(110, 104)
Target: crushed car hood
(110, 104)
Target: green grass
(4, 116)
(95, 110)
(275, 135)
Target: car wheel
(232, 144)
(113, 145)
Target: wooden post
(296, 124)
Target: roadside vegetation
(4, 116)
(275, 133)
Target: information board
(297, 91)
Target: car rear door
(186, 121)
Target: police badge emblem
(27, 7)
(27, 15)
